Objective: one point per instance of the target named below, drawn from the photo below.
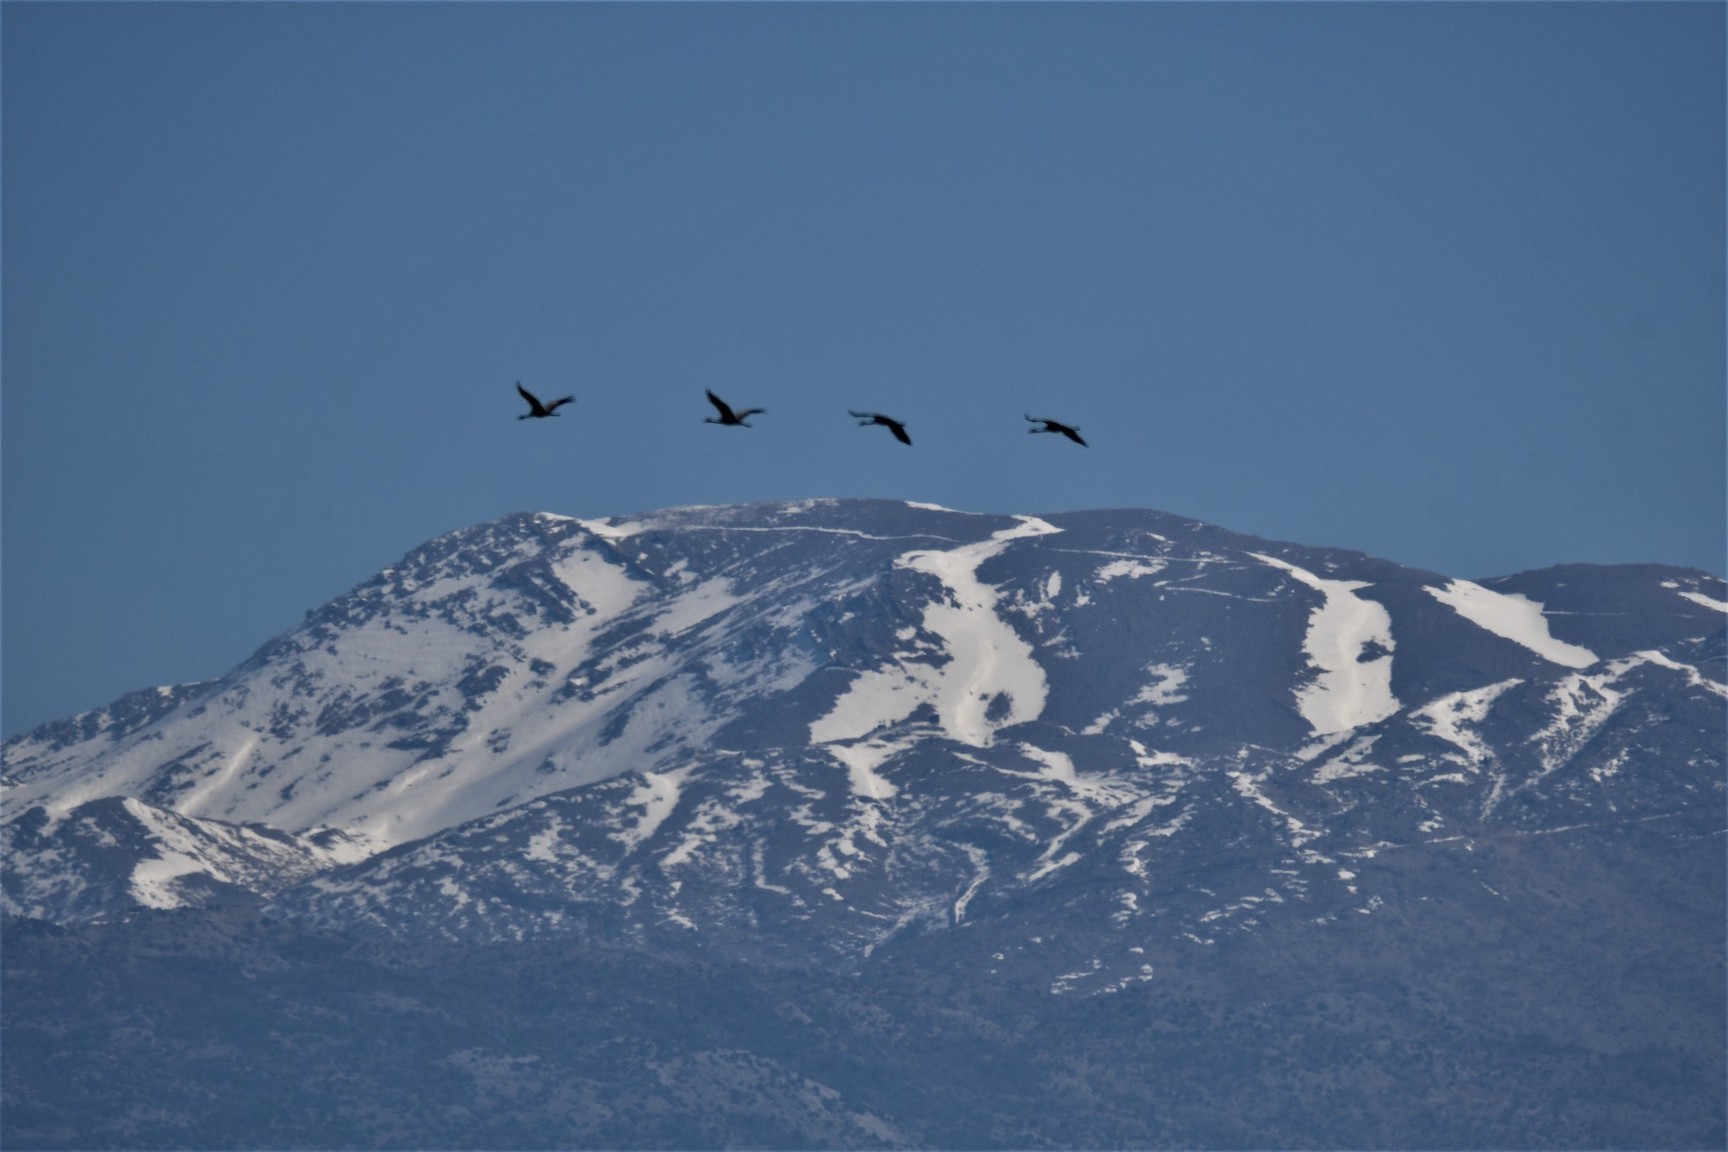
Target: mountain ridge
(830, 723)
(865, 824)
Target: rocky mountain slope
(846, 823)
(806, 729)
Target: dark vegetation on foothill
(1565, 1019)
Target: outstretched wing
(726, 412)
(887, 422)
(533, 401)
(751, 412)
(553, 407)
(1072, 434)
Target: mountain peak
(873, 717)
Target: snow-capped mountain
(817, 728)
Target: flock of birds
(739, 418)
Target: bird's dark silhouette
(865, 419)
(537, 409)
(727, 416)
(1069, 431)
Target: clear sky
(1444, 283)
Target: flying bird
(1072, 433)
(729, 417)
(865, 419)
(537, 409)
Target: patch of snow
(1165, 690)
(1162, 692)
(988, 661)
(980, 873)
(1452, 716)
(1158, 758)
(1612, 767)
(1138, 811)
(611, 531)
(703, 829)
(602, 585)
(657, 796)
(1058, 768)
(153, 881)
(1582, 705)
(697, 606)
(1512, 617)
(1066, 982)
(1117, 569)
(1351, 762)
(1324, 744)
(1349, 691)
(1706, 601)
(861, 760)
(543, 845)
(1247, 785)
(1098, 726)
(193, 803)
(1693, 676)
(758, 860)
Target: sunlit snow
(1514, 617)
(1349, 691)
(988, 661)
(861, 760)
(1706, 601)
(1129, 568)
(1454, 717)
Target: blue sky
(1444, 283)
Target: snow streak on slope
(1517, 618)
(1706, 601)
(1455, 717)
(1584, 703)
(861, 760)
(1351, 690)
(991, 678)
(1694, 677)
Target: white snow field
(1514, 617)
(1349, 691)
(988, 660)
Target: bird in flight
(1072, 433)
(729, 417)
(865, 419)
(537, 409)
